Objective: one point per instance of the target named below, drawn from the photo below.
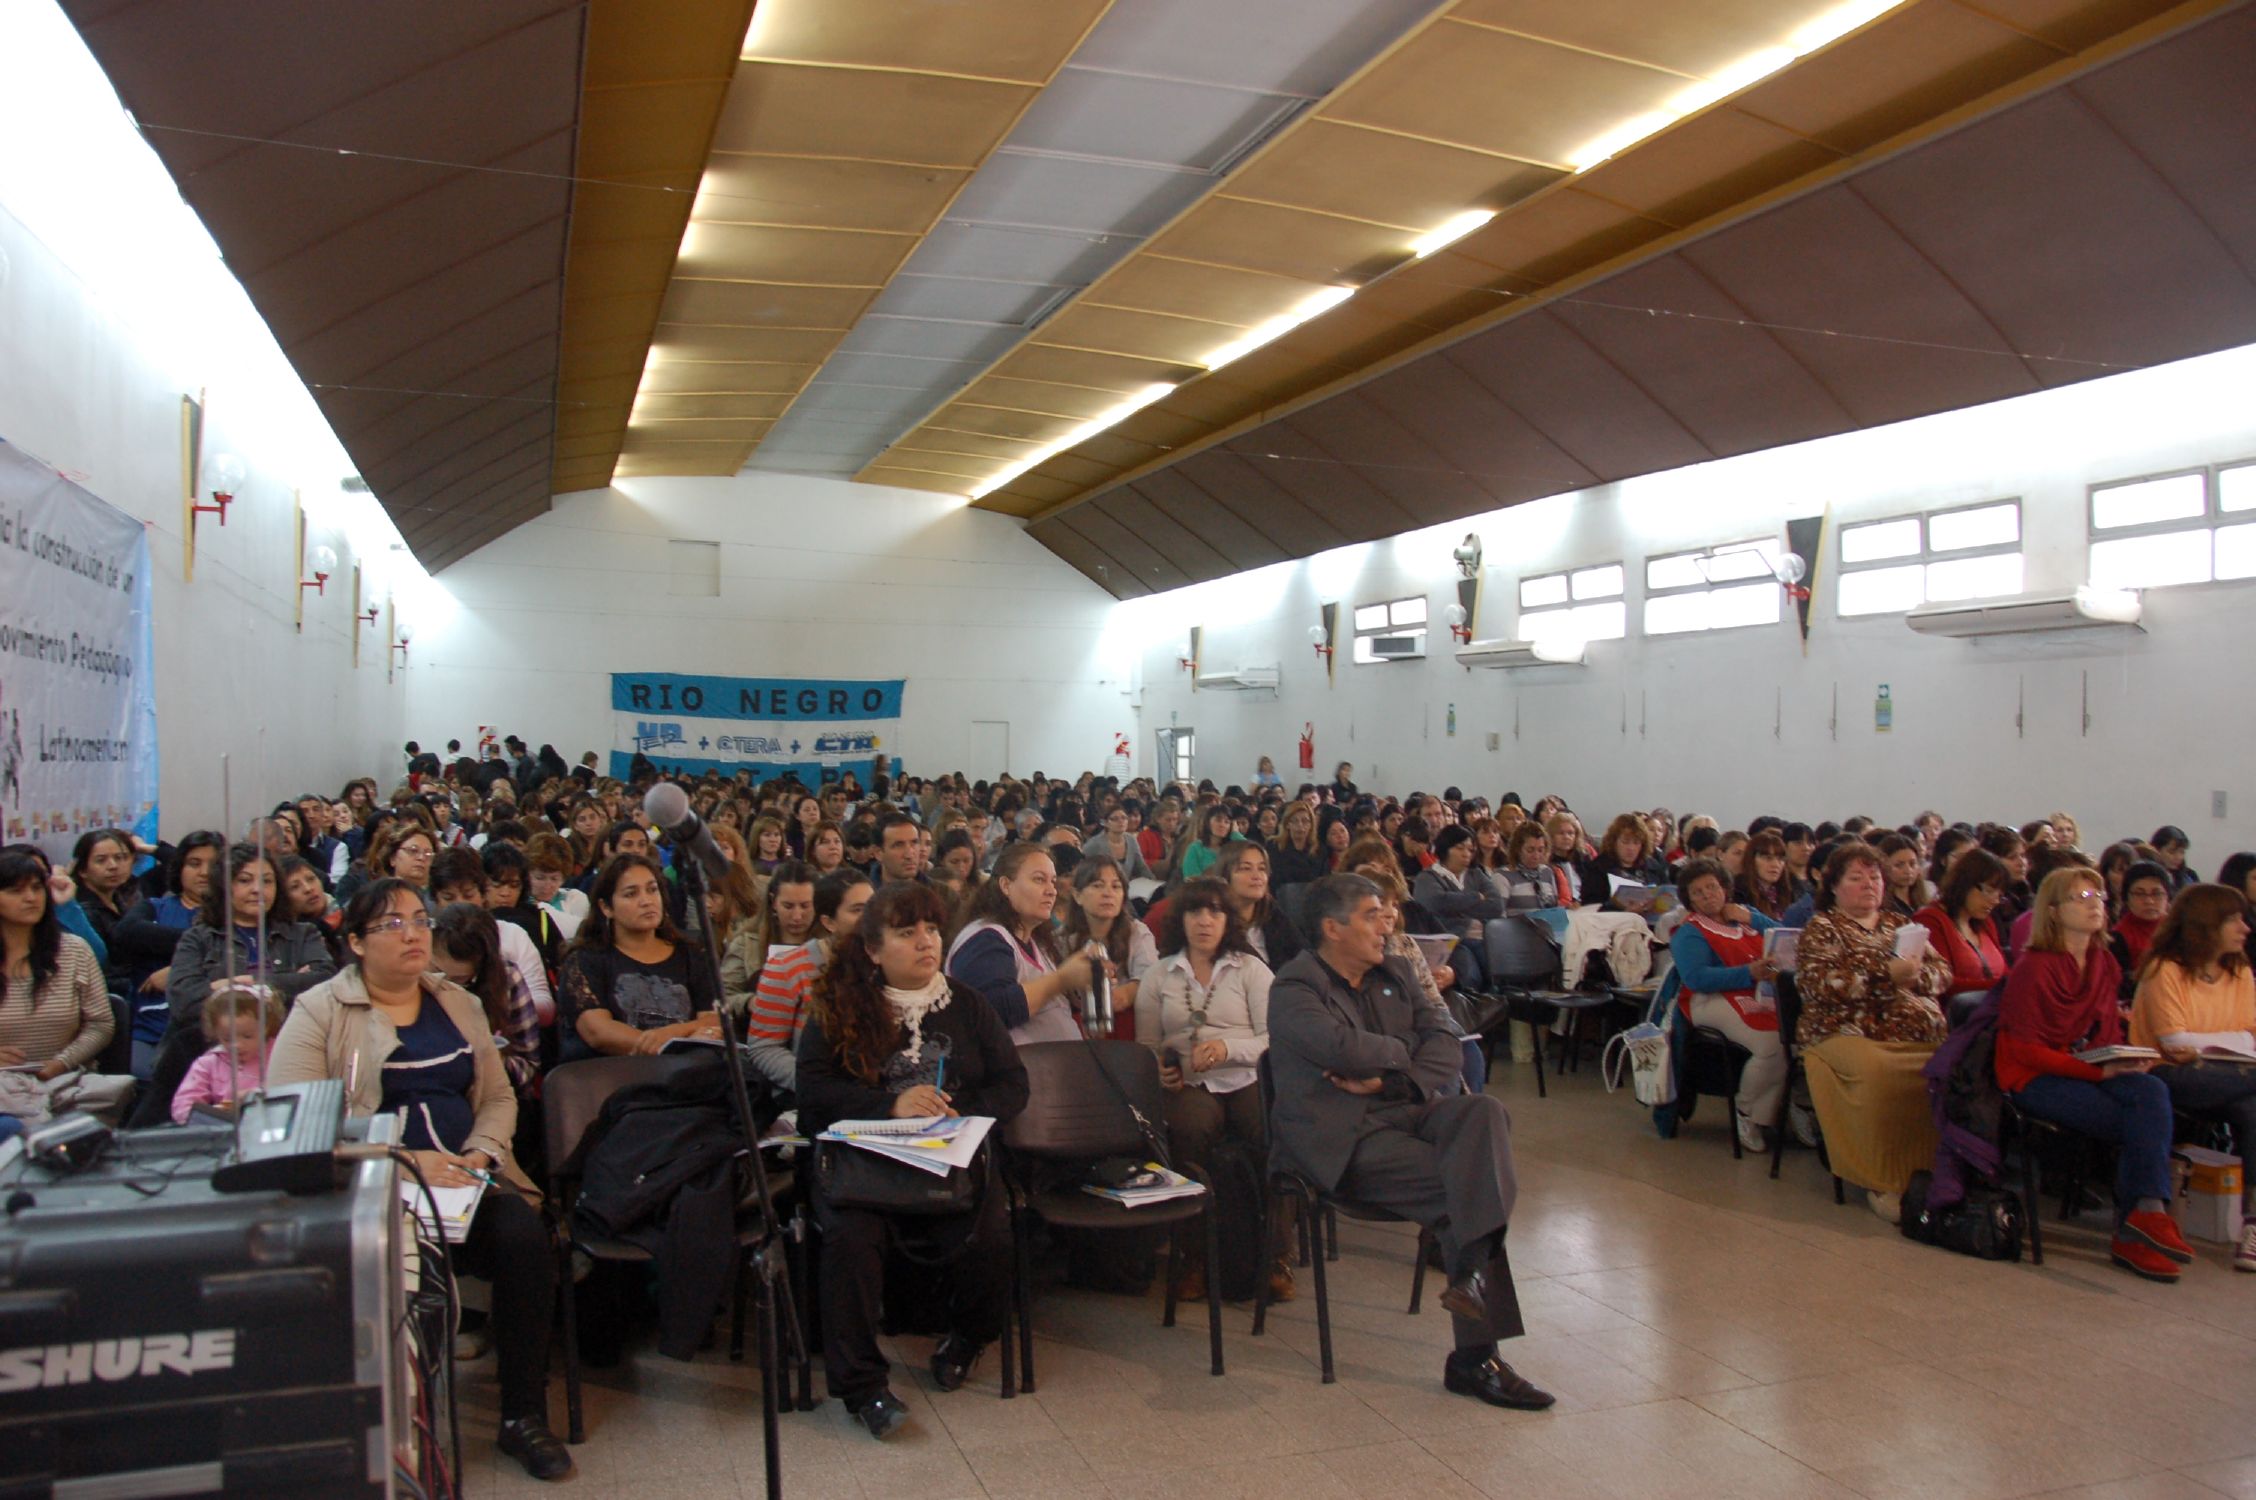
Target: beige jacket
(333, 1032)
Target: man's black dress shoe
(542, 1452)
(882, 1414)
(1497, 1383)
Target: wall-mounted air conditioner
(1243, 680)
(2078, 609)
(1559, 652)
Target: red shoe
(2158, 1232)
(2138, 1258)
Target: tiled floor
(1709, 1332)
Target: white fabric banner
(78, 710)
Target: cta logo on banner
(78, 706)
(811, 728)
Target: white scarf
(910, 1007)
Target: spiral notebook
(937, 1144)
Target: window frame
(1929, 554)
(1422, 628)
(2212, 519)
(1707, 586)
(1572, 601)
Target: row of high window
(2198, 526)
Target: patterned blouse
(1841, 969)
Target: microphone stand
(771, 1267)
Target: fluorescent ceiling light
(1081, 434)
(1812, 34)
(1450, 230)
(1271, 330)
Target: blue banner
(811, 728)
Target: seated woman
(779, 999)
(2196, 992)
(1448, 889)
(1869, 1021)
(101, 872)
(884, 1028)
(1907, 878)
(466, 948)
(1008, 949)
(1763, 884)
(769, 847)
(1719, 961)
(1334, 832)
(142, 943)
(1567, 857)
(548, 861)
(1625, 857)
(2170, 849)
(459, 875)
(1117, 844)
(2060, 1000)
(1098, 913)
(1300, 856)
(1205, 1010)
(826, 848)
(1527, 877)
(1213, 828)
(406, 1042)
(1958, 921)
(630, 985)
(240, 930)
(2146, 901)
(1731, 852)
(2009, 847)
(1243, 870)
(54, 1007)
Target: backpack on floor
(1985, 1224)
(1238, 1172)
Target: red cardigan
(2052, 1011)
(1965, 961)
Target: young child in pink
(240, 1019)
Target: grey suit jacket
(1315, 1026)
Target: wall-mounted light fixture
(223, 478)
(1321, 639)
(1460, 630)
(323, 562)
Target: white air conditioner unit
(1561, 651)
(1243, 680)
(2079, 609)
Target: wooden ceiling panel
(768, 252)
(702, 342)
(1307, 247)
(825, 193)
(994, 452)
(685, 408)
(1504, 93)
(1159, 529)
(1380, 177)
(991, 421)
(710, 429)
(1006, 39)
(763, 304)
(1209, 518)
(688, 376)
(914, 119)
(2070, 25)
(1122, 373)
(1702, 40)
(1149, 335)
(657, 134)
(1471, 431)
(1557, 234)
(1099, 566)
(1706, 165)
(1928, 59)
(1191, 289)
(1046, 398)
(679, 458)
(1595, 412)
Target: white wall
(82, 389)
(1741, 722)
(819, 578)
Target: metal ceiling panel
(1018, 186)
(1154, 121)
(982, 298)
(1319, 41)
(923, 338)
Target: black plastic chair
(1714, 1064)
(1073, 1115)
(1789, 1020)
(572, 1096)
(117, 1057)
(1318, 1211)
(1523, 967)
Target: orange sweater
(2170, 1000)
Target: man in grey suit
(1369, 1105)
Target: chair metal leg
(1541, 1092)
(771, 1382)
(1214, 1285)
(1782, 1124)
(1009, 1339)
(795, 1267)
(1733, 1106)
(736, 1307)
(1839, 1194)
(2031, 1210)
(1300, 1227)
(1271, 1204)
(1174, 1273)
(1418, 1276)
(1026, 1308)
(1323, 1301)
(1331, 1232)
(575, 1430)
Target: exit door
(1176, 747)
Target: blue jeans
(2130, 1110)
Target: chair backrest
(1789, 1009)
(117, 1057)
(574, 1093)
(1072, 1113)
(1520, 952)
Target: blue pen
(940, 1078)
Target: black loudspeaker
(160, 1337)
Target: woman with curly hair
(891, 1037)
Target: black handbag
(848, 1177)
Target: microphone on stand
(667, 806)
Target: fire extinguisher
(1308, 747)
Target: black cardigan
(985, 1076)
